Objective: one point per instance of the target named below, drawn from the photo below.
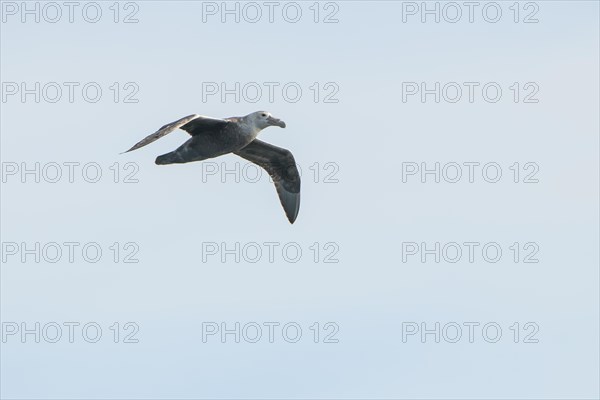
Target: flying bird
(213, 137)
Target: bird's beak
(276, 122)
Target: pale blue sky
(369, 213)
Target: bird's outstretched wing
(194, 124)
(201, 124)
(281, 166)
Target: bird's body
(213, 137)
(226, 137)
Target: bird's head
(264, 119)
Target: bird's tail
(169, 158)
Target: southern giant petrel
(213, 137)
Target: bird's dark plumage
(281, 166)
(212, 137)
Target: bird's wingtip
(127, 151)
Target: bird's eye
(264, 115)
